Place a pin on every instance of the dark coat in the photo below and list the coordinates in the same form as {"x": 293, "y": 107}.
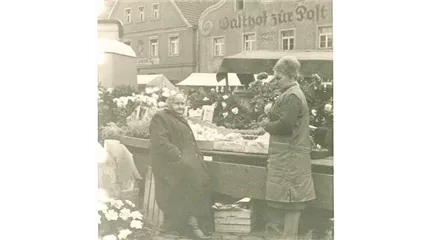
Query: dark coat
{"x": 182, "y": 183}
{"x": 289, "y": 176}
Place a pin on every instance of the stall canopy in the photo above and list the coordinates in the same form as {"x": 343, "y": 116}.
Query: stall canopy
{"x": 254, "y": 62}
{"x": 209, "y": 80}
{"x": 156, "y": 80}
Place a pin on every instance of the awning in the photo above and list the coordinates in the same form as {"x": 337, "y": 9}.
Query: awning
{"x": 209, "y": 80}
{"x": 156, "y": 80}
{"x": 254, "y": 62}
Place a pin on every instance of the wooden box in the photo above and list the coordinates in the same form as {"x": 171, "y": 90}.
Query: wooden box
{"x": 229, "y": 146}
{"x": 234, "y": 221}
{"x": 205, "y": 145}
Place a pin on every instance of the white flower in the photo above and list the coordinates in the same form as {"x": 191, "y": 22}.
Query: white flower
{"x": 206, "y": 99}
{"x": 165, "y": 94}
{"x": 173, "y": 92}
{"x": 328, "y": 107}
{"x": 136, "y": 224}
{"x": 124, "y": 233}
{"x": 161, "y": 104}
{"x": 156, "y": 89}
{"x": 165, "y": 89}
{"x": 115, "y": 100}
{"x": 314, "y": 112}
{"x": 214, "y": 105}
{"x": 155, "y": 96}
{"x": 129, "y": 203}
{"x": 235, "y": 110}
{"x": 318, "y": 146}
{"x": 111, "y": 215}
{"x": 102, "y": 207}
{"x": 223, "y": 104}
{"x": 120, "y": 104}
{"x": 125, "y": 214}
{"x": 136, "y": 215}
{"x": 109, "y": 237}
{"x": 224, "y": 114}
{"x": 152, "y": 102}
{"x": 149, "y": 90}
{"x": 225, "y": 97}
{"x": 118, "y": 204}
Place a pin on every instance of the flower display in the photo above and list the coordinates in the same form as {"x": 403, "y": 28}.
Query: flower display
{"x": 125, "y": 222}
{"x": 126, "y": 111}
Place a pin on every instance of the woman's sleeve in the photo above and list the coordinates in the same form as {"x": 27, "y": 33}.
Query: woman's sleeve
{"x": 290, "y": 108}
{"x": 159, "y": 139}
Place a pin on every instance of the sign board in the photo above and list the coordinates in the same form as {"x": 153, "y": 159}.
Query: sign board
{"x": 208, "y": 113}
{"x": 147, "y": 61}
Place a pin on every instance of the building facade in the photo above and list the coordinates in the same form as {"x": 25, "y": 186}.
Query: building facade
{"x": 232, "y": 26}
{"x": 163, "y": 34}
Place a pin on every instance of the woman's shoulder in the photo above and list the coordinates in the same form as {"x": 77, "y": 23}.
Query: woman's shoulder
{"x": 161, "y": 114}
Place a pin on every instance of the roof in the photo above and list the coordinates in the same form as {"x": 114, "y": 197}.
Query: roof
{"x": 112, "y": 46}
{"x": 209, "y": 80}
{"x": 193, "y": 9}
{"x": 254, "y": 62}
{"x": 108, "y": 6}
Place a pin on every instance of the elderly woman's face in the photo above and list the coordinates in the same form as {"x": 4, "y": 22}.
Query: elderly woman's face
{"x": 281, "y": 80}
{"x": 178, "y": 104}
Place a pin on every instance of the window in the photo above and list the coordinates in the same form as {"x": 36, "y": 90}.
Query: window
{"x": 218, "y": 46}
{"x": 141, "y": 13}
{"x": 156, "y": 10}
{"x": 127, "y": 15}
{"x": 249, "y": 42}
{"x": 239, "y": 5}
{"x": 174, "y": 45}
{"x": 287, "y": 39}
{"x": 325, "y": 37}
{"x": 154, "y": 48}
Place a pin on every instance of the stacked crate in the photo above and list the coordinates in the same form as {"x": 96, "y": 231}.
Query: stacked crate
{"x": 235, "y": 220}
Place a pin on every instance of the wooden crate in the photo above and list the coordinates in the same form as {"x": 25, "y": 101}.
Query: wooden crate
{"x": 234, "y": 221}
{"x": 205, "y": 145}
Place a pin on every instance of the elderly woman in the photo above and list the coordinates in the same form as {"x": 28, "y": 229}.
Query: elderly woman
{"x": 289, "y": 184}
{"x": 182, "y": 183}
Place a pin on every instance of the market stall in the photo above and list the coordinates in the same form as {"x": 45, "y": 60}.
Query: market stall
{"x": 155, "y": 80}
{"x": 237, "y": 161}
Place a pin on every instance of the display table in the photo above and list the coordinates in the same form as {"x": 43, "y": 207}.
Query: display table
{"x": 242, "y": 174}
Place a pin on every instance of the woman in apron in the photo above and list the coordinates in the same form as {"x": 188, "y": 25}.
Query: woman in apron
{"x": 289, "y": 184}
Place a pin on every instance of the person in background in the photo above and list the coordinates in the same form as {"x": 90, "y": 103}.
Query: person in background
{"x": 289, "y": 184}
{"x": 182, "y": 182}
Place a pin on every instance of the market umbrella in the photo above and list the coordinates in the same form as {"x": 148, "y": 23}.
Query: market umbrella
{"x": 156, "y": 80}
{"x": 253, "y": 62}
{"x": 209, "y": 80}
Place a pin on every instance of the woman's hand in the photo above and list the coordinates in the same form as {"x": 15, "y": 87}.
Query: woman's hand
{"x": 264, "y": 122}
{"x": 267, "y": 108}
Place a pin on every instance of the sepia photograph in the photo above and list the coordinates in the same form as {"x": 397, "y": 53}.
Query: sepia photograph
{"x": 215, "y": 119}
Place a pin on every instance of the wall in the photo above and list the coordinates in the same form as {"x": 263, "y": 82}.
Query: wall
{"x": 171, "y": 23}
{"x": 186, "y": 49}
{"x": 303, "y": 16}
{"x": 169, "y": 16}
